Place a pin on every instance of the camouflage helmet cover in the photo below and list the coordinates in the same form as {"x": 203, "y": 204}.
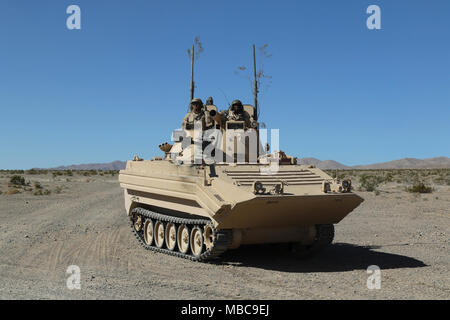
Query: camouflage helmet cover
{"x": 236, "y": 102}
{"x": 197, "y": 101}
{"x": 237, "y": 107}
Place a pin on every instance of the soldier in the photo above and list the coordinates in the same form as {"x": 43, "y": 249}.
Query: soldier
{"x": 209, "y": 101}
{"x": 209, "y": 118}
{"x": 196, "y": 114}
{"x": 237, "y": 112}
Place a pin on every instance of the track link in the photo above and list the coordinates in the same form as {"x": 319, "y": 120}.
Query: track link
{"x": 221, "y": 238}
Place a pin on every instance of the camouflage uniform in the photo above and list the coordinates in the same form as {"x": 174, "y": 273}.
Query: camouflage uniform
{"x": 242, "y": 116}
{"x": 190, "y": 118}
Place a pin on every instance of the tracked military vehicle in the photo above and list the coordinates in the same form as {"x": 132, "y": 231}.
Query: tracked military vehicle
{"x": 198, "y": 207}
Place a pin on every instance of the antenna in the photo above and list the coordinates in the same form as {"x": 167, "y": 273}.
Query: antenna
{"x": 192, "y": 74}
{"x": 255, "y": 85}
{"x": 225, "y": 96}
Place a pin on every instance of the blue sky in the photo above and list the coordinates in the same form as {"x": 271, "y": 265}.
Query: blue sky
{"x": 120, "y": 85}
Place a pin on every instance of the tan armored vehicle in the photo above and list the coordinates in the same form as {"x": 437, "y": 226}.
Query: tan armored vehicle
{"x": 196, "y": 206}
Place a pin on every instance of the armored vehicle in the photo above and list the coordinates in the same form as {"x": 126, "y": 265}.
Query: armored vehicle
{"x": 197, "y": 207}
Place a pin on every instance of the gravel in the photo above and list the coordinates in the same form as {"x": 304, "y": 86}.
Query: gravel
{"x": 405, "y": 235}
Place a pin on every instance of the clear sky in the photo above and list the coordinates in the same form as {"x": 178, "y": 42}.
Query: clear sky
{"x": 120, "y": 85}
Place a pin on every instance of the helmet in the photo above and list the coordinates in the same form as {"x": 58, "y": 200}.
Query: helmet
{"x": 209, "y": 101}
{"x": 236, "y": 102}
{"x": 237, "y": 106}
{"x": 197, "y": 101}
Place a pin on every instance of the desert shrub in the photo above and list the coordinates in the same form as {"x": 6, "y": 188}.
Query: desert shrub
{"x": 341, "y": 176}
{"x": 412, "y": 176}
{"x": 68, "y": 173}
{"x": 37, "y": 185}
{"x": 37, "y": 171}
{"x": 58, "y": 190}
{"x": 389, "y": 177}
{"x": 42, "y": 192}
{"x": 444, "y": 180}
{"x": 17, "y": 171}
{"x": 419, "y": 188}
{"x": 17, "y": 180}
{"x": 370, "y": 182}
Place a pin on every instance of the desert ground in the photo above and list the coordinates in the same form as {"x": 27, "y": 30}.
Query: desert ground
{"x": 51, "y": 220}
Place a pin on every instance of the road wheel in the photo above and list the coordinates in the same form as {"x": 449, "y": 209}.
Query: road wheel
{"x": 159, "y": 234}
{"x": 196, "y": 241}
{"x": 208, "y": 236}
{"x": 148, "y": 232}
{"x": 137, "y": 222}
{"x": 183, "y": 238}
{"x": 171, "y": 236}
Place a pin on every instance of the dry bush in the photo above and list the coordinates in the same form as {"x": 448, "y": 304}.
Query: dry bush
{"x": 17, "y": 180}
{"x": 37, "y": 171}
{"x": 16, "y": 171}
{"x": 37, "y": 185}
{"x": 370, "y": 182}
{"x": 57, "y": 173}
{"x": 42, "y": 192}
{"x": 419, "y": 188}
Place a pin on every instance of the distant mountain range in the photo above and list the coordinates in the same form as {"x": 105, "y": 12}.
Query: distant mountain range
{"x": 115, "y": 165}
{"x": 406, "y": 163}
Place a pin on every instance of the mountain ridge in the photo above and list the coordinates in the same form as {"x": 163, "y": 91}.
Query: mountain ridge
{"x": 405, "y": 163}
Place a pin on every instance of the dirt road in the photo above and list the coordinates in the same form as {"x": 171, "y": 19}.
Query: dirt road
{"x": 407, "y": 236}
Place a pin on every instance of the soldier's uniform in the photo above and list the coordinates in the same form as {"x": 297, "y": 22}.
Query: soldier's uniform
{"x": 243, "y": 116}
{"x": 191, "y": 117}
{"x": 239, "y": 116}
{"x": 196, "y": 114}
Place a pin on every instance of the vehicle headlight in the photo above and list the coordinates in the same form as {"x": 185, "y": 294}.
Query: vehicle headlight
{"x": 258, "y": 187}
